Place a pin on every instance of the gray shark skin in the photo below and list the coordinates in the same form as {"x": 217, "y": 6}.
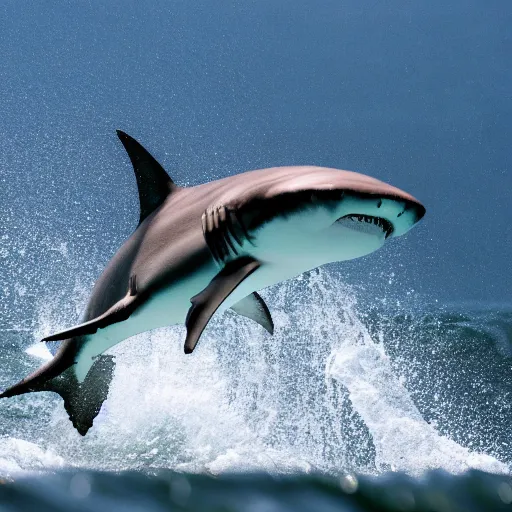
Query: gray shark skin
{"x": 207, "y": 248}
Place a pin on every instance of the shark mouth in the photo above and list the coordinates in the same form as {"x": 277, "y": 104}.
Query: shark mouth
{"x": 366, "y": 223}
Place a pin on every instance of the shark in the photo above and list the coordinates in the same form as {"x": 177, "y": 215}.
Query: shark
{"x": 198, "y": 251}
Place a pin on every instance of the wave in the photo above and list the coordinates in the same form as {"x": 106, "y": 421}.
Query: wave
{"x": 340, "y": 387}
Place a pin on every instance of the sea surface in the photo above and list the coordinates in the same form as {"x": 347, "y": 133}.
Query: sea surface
{"x": 356, "y": 403}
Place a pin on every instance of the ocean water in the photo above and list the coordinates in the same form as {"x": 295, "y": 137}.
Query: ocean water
{"x": 379, "y": 392}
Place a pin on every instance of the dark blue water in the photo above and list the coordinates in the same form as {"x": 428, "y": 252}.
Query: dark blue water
{"x": 86, "y": 491}
{"x": 417, "y": 94}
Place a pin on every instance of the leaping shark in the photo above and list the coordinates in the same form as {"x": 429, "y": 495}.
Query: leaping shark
{"x": 201, "y": 250}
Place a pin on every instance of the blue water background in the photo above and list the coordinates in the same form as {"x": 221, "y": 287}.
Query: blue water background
{"x": 414, "y": 93}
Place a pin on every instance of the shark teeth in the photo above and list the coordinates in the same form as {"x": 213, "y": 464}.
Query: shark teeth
{"x": 383, "y": 224}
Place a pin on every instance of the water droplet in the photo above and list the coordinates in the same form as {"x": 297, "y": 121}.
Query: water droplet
{"x": 349, "y": 484}
{"x": 80, "y": 486}
{"x": 505, "y": 493}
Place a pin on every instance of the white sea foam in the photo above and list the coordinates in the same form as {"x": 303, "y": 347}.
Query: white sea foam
{"x": 320, "y": 394}
{"x": 40, "y": 351}
{"x": 20, "y": 457}
{"x": 403, "y": 440}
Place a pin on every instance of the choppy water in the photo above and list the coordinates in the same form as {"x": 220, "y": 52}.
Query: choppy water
{"x": 344, "y": 385}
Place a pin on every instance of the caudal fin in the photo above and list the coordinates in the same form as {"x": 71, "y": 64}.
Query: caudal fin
{"x": 82, "y": 401}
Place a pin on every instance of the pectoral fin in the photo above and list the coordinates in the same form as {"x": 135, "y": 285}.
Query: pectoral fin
{"x": 205, "y": 304}
{"x": 254, "y": 307}
{"x": 117, "y": 313}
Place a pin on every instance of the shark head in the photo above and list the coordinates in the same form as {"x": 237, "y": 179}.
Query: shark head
{"x": 317, "y": 215}
{"x": 366, "y": 221}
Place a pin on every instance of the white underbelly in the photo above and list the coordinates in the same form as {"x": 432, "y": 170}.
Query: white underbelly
{"x": 166, "y": 307}
{"x": 170, "y": 306}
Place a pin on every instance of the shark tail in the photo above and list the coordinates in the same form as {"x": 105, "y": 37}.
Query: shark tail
{"x": 82, "y": 401}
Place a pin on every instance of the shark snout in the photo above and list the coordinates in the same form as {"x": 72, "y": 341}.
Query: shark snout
{"x": 415, "y": 207}
{"x": 404, "y": 214}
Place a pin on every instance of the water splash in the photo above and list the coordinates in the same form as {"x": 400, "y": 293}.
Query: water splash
{"x": 403, "y": 440}
{"x": 320, "y": 395}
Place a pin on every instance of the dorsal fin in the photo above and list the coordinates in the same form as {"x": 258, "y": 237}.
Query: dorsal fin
{"x": 153, "y": 182}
